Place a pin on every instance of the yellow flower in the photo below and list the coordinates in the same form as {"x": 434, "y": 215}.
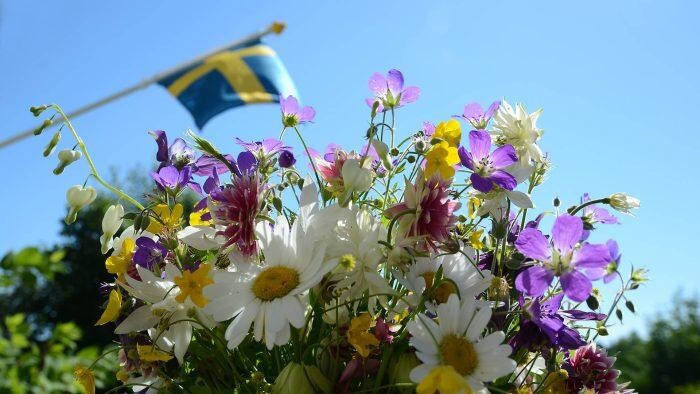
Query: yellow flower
{"x": 151, "y": 354}
{"x": 119, "y": 264}
{"x": 555, "y": 382}
{"x": 196, "y": 218}
{"x": 472, "y": 206}
{"x": 86, "y": 378}
{"x": 358, "y": 334}
{"x": 192, "y": 283}
{"x": 122, "y": 376}
{"x": 443, "y": 379}
{"x": 475, "y": 239}
{"x": 114, "y": 306}
{"x": 441, "y": 158}
{"x": 167, "y": 218}
{"x": 450, "y": 131}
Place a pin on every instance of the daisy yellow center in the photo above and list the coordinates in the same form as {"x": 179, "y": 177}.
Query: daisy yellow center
{"x": 459, "y": 353}
{"x": 442, "y": 292}
{"x": 275, "y": 282}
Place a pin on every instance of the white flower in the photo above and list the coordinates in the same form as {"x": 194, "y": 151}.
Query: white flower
{"x": 272, "y": 295}
{"x": 202, "y": 238}
{"x": 535, "y": 365}
{"x": 352, "y": 237}
{"x": 518, "y": 128}
{"x": 111, "y": 222}
{"x": 65, "y": 158}
{"x": 456, "y": 341}
{"x": 168, "y": 321}
{"x": 624, "y": 203}
{"x": 463, "y": 278}
{"x": 78, "y": 197}
{"x": 129, "y": 233}
{"x": 150, "y": 382}
{"x": 495, "y": 202}
{"x": 356, "y": 178}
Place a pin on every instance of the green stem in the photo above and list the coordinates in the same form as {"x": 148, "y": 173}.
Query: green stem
{"x": 605, "y": 200}
{"x": 313, "y": 164}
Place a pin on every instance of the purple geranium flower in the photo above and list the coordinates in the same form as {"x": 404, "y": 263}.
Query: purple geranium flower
{"x": 287, "y": 159}
{"x": 614, "y": 263}
{"x": 293, "y": 115}
{"x": 474, "y": 114}
{"x": 390, "y": 92}
{"x": 488, "y": 167}
{"x": 178, "y": 154}
{"x": 265, "y": 148}
{"x": 149, "y": 253}
{"x": 428, "y": 129}
{"x": 205, "y": 165}
{"x": 593, "y": 214}
{"x": 548, "y": 318}
{"x": 575, "y": 265}
{"x": 170, "y": 178}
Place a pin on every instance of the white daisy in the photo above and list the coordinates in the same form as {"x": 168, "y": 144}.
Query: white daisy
{"x": 166, "y": 316}
{"x": 271, "y": 295}
{"x": 464, "y": 279}
{"x": 456, "y": 341}
{"x": 518, "y": 128}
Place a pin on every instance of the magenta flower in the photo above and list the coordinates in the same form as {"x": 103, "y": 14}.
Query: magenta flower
{"x": 590, "y": 367}
{"x": 293, "y": 115}
{"x": 475, "y": 115}
{"x": 488, "y": 167}
{"x": 390, "y": 92}
{"x": 235, "y": 207}
{"x": 575, "y": 265}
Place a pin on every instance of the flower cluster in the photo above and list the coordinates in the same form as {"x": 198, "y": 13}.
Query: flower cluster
{"x": 412, "y": 263}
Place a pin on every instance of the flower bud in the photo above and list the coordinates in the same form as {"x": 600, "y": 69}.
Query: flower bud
{"x": 383, "y": 152}
{"x": 78, "y": 197}
{"x": 111, "y": 222}
{"x": 297, "y": 378}
{"x": 287, "y": 159}
{"x": 46, "y": 123}
{"x": 38, "y": 109}
{"x": 65, "y": 158}
{"x": 499, "y": 289}
{"x": 623, "y": 202}
{"x": 52, "y": 144}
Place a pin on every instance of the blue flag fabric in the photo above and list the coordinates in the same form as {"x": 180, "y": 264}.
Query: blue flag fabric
{"x": 245, "y": 74}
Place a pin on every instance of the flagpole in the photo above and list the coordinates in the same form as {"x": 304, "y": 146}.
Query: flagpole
{"x": 275, "y": 27}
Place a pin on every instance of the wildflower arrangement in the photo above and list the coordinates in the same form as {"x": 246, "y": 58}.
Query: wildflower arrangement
{"x": 414, "y": 261}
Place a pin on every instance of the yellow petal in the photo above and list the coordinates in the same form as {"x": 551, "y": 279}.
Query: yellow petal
{"x": 443, "y": 379}
{"x": 150, "y": 353}
{"x": 86, "y": 378}
{"x": 114, "y": 306}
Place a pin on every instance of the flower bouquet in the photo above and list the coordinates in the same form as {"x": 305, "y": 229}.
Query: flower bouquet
{"x": 414, "y": 262}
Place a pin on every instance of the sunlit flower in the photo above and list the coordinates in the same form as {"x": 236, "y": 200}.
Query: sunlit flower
{"x": 111, "y": 222}
{"x": 475, "y": 115}
{"x": 475, "y": 239}
{"x": 454, "y": 339}
{"x": 389, "y": 91}
{"x": 165, "y": 218}
{"x": 78, "y": 197}
{"x": 197, "y": 220}
{"x": 441, "y": 159}
{"x": 449, "y": 131}
{"x": 590, "y": 367}
{"x": 443, "y": 379}
{"x": 518, "y": 128}
{"x": 293, "y": 115}
{"x": 114, "y": 306}
{"x": 234, "y": 207}
{"x": 488, "y": 168}
{"x": 119, "y": 262}
{"x": 359, "y": 336}
{"x": 191, "y": 285}
{"x": 624, "y": 203}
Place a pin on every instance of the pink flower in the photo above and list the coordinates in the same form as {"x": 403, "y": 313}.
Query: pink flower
{"x": 434, "y": 211}
{"x": 235, "y": 207}
{"x": 591, "y": 368}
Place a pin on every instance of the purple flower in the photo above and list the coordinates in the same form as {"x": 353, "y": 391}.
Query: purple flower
{"x": 428, "y": 129}
{"x": 488, "y": 167}
{"x": 287, "y": 159}
{"x": 593, "y": 214}
{"x": 265, "y": 148}
{"x": 575, "y": 265}
{"x": 390, "y": 92}
{"x": 474, "y": 114}
{"x": 293, "y": 115}
{"x": 548, "y": 318}
{"x": 149, "y": 253}
{"x": 178, "y": 154}
{"x": 615, "y": 257}
{"x": 205, "y": 165}
{"x": 171, "y": 179}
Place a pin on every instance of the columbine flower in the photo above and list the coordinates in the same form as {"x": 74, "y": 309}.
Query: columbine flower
{"x": 390, "y": 92}
{"x": 488, "y": 167}
{"x": 345, "y": 172}
{"x": 78, "y": 197}
{"x": 111, "y": 222}
{"x": 178, "y": 154}
{"x": 518, "y": 128}
{"x": 359, "y": 336}
{"x": 590, "y": 367}
{"x": 455, "y": 340}
{"x": 234, "y": 207}
{"x": 270, "y": 295}
{"x": 624, "y": 203}
{"x": 114, "y": 306}
{"x": 292, "y": 115}
{"x": 462, "y": 278}
{"x": 450, "y": 131}
{"x": 441, "y": 159}
{"x": 357, "y": 177}
{"x": 576, "y": 265}
{"x": 475, "y": 115}
{"x": 433, "y": 211}
{"x": 287, "y": 159}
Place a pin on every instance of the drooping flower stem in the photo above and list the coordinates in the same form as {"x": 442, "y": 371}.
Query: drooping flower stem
{"x": 605, "y": 200}
{"x": 93, "y": 169}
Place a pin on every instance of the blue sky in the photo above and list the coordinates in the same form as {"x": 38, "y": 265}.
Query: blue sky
{"x": 618, "y": 82}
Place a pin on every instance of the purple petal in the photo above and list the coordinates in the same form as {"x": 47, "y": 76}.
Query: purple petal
{"x": 145, "y": 242}
{"x": 272, "y": 145}
{"x": 554, "y": 303}
{"x": 409, "y": 95}
{"x": 504, "y": 179}
{"x": 395, "y": 81}
{"x": 378, "y": 85}
{"x": 533, "y": 244}
{"x": 306, "y": 114}
{"x": 569, "y": 338}
{"x": 566, "y": 232}
{"x": 576, "y": 286}
{"x": 504, "y": 156}
{"x": 613, "y": 249}
{"x": 473, "y": 111}
{"x": 575, "y": 314}
{"x": 428, "y": 129}
{"x": 290, "y": 105}
{"x": 465, "y": 157}
{"x": 195, "y": 186}
{"x": 492, "y": 109}
{"x": 591, "y": 256}
{"x": 162, "y": 142}
{"x": 169, "y": 176}
{"x": 534, "y": 281}
{"x": 249, "y": 146}
{"x": 246, "y": 162}
{"x": 480, "y": 144}
{"x": 481, "y": 184}
{"x": 178, "y": 146}
{"x": 206, "y": 165}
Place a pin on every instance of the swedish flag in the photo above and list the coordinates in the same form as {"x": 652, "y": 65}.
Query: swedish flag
{"x": 244, "y": 74}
